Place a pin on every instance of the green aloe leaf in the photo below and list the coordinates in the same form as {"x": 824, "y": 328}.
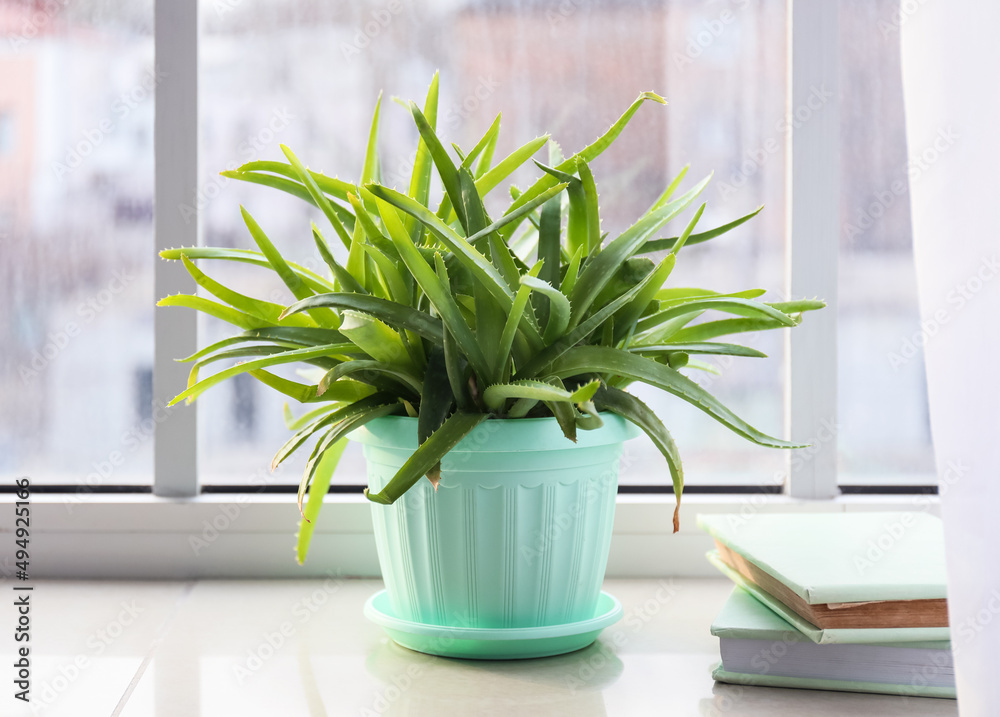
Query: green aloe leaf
{"x": 592, "y": 208}
{"x": 324, "y": 418}
{"x": 572, "y": 273}
{"x": 550, "y": 240}
{"x": 391, "y": 312}
{"x": 672, "y": 187}
{"x": 632, "y": 409}
{"x": 318, "y": 197}
{"x": 191, "y": 393}
{"x": 320, "y": 487}
{"x": 565, "y": 416}
{"x": 577, "y": 226}
{"x": 496, "y": 395}
{"x": 295, "y": 335}
{"x": 427, "y": 456}
{"x": 333, "y": 186}
{"x": 489, "y": 317}
{"x": 420, "y": 179}
{"x": 212, "y": 348}
{"x": 724, "y": 327}
{"x": 395, "y": 372}
{"x": 601, "y": 268}
{"x": 558, "y": 307}
{"x": 457, "y": 367}
{"x": 299, "y": 289}
{"x": 797, "y": 306}
{"x": 463, "y": 248}
{"x": 244, "y": 352}
{"x": 437, "y": 400}
{"x": 486, "y": 141}
{"x": 682, "y": 239}
{"x": 313, "y": 280}
{"x": 336, "y": 433}
{"x": 254, "y": 307}
{"x": 438, "y": 292}
{"x": 296, "y": 390}
{"x": 296, "y": 188}
{"x": 587, "y": 154}
{"x": 465, "y": 252}
{"x": 563, "y": 411}
{"x": 341, "y": 274}
{"x": 301, "y": 392}
{"x": 627, "y": 317}
{"x": 274, "y": 335}
{"x": 740, "y": 307}
{"x": 436, "y": 397}
{"x": 501, "y": 365}
{"x": 214, "y": 308}
{"x": 293, "y": 423}
{"x": 377, "y": 280}
{"x": 703, "y": 347}
{"x": 668, "y": 244}
{"x": 679, "y": 295}
{"x": 506, "y": 262}
{"x": 371, "y": 171}
{"x": 485, "y": 183}
{"x": 678, "y": 360}
{"x": 683, "y": 360}
{"x": 485, "y": 162}
{"x": 394, "y": 281}
{"x": 289, "y": 186}
{"x": 445, "y": 167}
{"x": 539, "y": 363}
{"x": 357, "y": 261}
{"x": 376, "y": 338}
{"x": 606, "y": 360}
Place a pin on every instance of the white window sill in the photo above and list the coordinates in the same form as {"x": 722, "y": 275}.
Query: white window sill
{"x": 252, "y": 535}
{"x": 256, "y": 649}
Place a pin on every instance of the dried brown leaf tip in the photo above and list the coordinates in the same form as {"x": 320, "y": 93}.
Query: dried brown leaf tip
{"x": 434, "y": 476}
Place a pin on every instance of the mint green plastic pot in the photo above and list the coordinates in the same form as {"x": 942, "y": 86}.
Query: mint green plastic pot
{"x": 517, "y": 533}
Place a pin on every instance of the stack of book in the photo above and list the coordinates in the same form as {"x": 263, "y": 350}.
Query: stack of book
{"x": 834, "y": 601}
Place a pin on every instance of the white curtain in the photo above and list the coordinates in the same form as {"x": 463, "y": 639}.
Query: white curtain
{"x": 951, "y": 63}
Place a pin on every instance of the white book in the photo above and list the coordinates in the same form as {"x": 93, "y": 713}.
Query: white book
{"x": 759, "y": 647}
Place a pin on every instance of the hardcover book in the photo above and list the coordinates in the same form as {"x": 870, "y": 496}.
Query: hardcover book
{"x": 759, "y": 648}
{"x": 840, "y": 577}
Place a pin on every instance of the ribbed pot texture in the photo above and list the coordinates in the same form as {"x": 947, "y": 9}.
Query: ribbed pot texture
{"x": 517, "y": 533}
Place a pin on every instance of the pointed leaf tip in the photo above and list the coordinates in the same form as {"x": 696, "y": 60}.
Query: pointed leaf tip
{"x": 648, "y": 95}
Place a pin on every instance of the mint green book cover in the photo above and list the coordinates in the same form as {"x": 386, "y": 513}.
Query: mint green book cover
{"x": 745, "y": 618}
{"x": 805, "y": 683}
{"x": 841, "y": 557}
{"x": 828, "y": 636}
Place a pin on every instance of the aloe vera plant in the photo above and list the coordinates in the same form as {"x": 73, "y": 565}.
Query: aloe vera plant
{"x": 453, "y": 316}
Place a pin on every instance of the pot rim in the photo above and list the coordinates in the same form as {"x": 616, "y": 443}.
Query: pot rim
{"x": 499, "y": 434}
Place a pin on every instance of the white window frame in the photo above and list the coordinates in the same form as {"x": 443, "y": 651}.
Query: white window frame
{"x": 178, "y": 532}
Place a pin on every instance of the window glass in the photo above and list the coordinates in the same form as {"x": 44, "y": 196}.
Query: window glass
{"x": 307, "y": 75}
{"x": 76, "y": 209}
{"x": 884, "y": 430}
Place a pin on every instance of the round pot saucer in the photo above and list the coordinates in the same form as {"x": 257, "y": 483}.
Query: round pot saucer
{"x": 483, "y": 643}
